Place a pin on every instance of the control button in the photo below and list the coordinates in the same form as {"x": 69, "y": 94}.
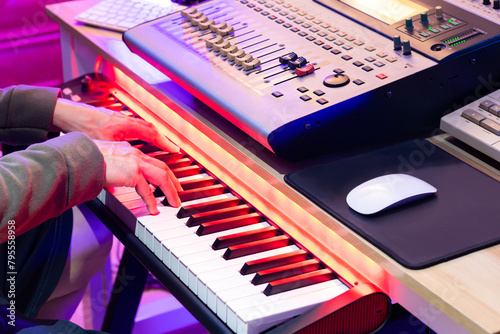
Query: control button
{"x": 294, "y": 29}
{"x": 301, "y": 71}
{"x": 382, "y": 54}
{"x": 381, "y": 76}
{"x": 359, "y": 43}
{"x": 370, "y": 59}
{"x": 302, "y": 89}
{"x": 302, "y": 33}
{"x": 397, "y": 42}
{"x": 378, "y": 64}
{"x": 367, "y": 68}
{"x": 346, "y": 57}
{"x": 358, "y": 82}
{"x": 248, "y": 65}
{"x": 357, "y": 63}
{"x": 338, "y": 70}
{"x": 299, "y": 62}
{"x": 454, "y": 22}
{"x": 491, "y": 126}
{"x": 322, "y": 101}
{"x": 319, "y": 42}
{"x": 472, "y": 116}
{"x": 445, "y": 26}
{"x": 434, "y": 30}
{"x": 321, "y": 34}
{"x": 305, "y": 97}
{"x": 424, "y": 34}
{"x": 327, "y": 46}
{"x": 277, "y": 94}
{"x": 288, "y": 57}
{"x": 319, "y": 92}
{"x": 409, "y": 24}
{"x": 486, "y": 104}
{"x": 336, "y": 80}
{"x": 339, "y": 43}
{"x": 495, "y": 110}
{"x": 287, "y": 25}
{"x": 439, "y": 12}
{"x": 335, "y": 51}
{"x": 347, "y": 47}
{"x": 310, "y": 38}
{"x": 391, "y": 59}
{"x": 370, "y": 48}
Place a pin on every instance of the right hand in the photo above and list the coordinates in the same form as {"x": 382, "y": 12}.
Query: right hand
{"x": 127, "y": 166}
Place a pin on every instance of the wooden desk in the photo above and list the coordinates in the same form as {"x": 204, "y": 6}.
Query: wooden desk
{"x": 459, "y": 296}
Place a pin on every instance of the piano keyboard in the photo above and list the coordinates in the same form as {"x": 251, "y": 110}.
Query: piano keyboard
{"x": 242, "y": 266}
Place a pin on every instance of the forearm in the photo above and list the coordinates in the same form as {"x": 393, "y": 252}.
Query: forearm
{"x": 46, "y": 179}
{"x": 26, "y": 114}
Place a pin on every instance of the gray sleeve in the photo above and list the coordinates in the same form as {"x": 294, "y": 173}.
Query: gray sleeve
{"x": 26, "y": 114}
{"x": 46, "y": 179}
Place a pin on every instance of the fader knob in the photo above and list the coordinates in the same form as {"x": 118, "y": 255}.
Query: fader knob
{"x": 406, "y": 47}
{"x": 397, "y": 42}
{"x": 439, "y": 12}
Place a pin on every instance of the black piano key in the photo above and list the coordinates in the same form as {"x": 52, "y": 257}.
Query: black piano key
{"x": 244, "y": 237}
{"x": 188, "y": 210}
{"x": 252, "y": 267}
{"x": 289, "y": 270}
{"x": 147, "y": 148}
{"x": 298, "y": 281}
{"x": 191, "y": 194}
{"x": 183, "y": 162}
{"x": 186, "y": 171}
{"x": 258, "y": 246}
{"x": 228, "y": 223}
{"x": 197, "y": 183}
{"x": 198, "y": 218}
{"x": 166, "y": 156}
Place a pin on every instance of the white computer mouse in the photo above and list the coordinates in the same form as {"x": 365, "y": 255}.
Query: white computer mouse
{"x": 387, "y": 191}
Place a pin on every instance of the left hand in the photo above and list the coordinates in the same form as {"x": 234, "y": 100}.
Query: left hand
{"x": 103, "y": 124}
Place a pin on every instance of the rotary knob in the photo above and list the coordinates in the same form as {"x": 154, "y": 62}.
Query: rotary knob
{"x": 424, "y": 19}
{"x": 397, "y": 42}
{"x": 409, "y": 24}
{"x": 406, "y": 47}
{"x": 486, "y": 2}
{"x": 439, "y": 12}
{"x": 496, "y": 4}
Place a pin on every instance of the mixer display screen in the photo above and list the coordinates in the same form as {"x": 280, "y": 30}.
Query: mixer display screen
{"x": 387, "y": 11}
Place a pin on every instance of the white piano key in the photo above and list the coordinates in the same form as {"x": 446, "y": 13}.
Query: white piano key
{"x": 204, "y": 276}
{"x": 167, "y": 213}
{"x": 253, "y": 314}
{"x": 186, "y": 261}
{"x": 193, "y": 177}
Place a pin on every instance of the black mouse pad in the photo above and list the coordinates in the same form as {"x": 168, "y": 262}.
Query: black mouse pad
{"x": 462, "y": 217}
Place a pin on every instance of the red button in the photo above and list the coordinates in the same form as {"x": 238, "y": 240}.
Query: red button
{"x": 304, "y": 70}
{"x": 381, "y": 76}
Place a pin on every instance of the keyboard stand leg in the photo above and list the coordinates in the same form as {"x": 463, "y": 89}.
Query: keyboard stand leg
{"x": 126, "y": 295}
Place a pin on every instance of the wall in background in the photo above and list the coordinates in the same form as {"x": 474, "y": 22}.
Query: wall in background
{"x": 30, "y": 52}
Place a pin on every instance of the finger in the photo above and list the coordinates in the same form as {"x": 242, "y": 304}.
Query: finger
{"x": 146, "y": 131}
{"x": 147, "y": 196}
{"x": 160, "y": 177}
{"x": 160, "y": 164}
